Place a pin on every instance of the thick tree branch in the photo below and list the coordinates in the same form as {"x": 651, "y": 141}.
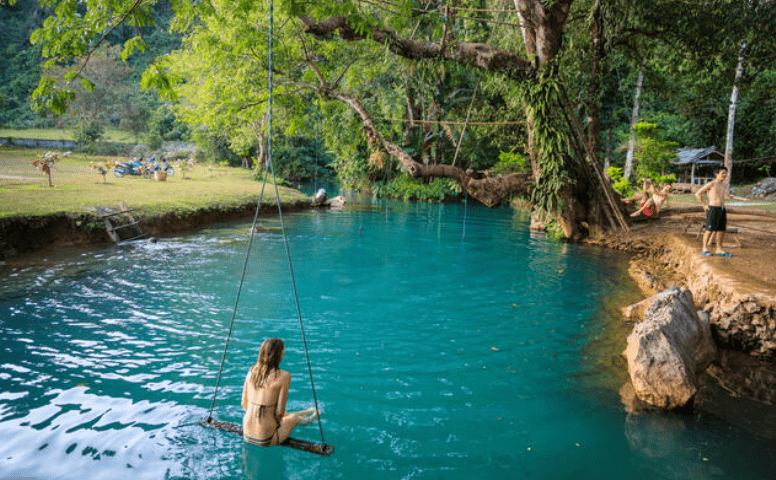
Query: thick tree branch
{"x": 491, "y": 191}
{"x": 476, "y": 54}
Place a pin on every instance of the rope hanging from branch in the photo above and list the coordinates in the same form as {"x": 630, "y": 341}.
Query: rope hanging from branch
{"x": 321, "y": 448}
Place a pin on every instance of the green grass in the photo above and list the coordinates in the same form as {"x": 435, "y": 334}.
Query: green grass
{"x": 111, "y": 135}
{"x": 78, "y": 189}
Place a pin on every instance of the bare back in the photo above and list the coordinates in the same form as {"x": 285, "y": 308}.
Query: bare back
{"x": 265, "y": 408}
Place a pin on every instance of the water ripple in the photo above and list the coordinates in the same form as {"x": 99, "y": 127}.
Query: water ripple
{"x": 434, "y": 354}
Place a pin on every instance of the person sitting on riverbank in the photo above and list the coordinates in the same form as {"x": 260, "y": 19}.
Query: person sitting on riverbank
{"x": 654, "y": 203}
{"x": 647, "y": 189}
{"x": 265, "y": 392}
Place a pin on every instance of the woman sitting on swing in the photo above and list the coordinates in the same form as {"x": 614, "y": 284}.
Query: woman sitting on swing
{"x": 266, "y": 422}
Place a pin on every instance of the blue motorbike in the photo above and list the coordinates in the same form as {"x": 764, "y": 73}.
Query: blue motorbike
{"x": 133, "y": 167}
{"x": 154, "y": 166}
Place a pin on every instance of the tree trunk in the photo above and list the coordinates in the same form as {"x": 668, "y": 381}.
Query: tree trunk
{"x": 732, "y": 114}
{"x": 634, "y": 118}
{"x": 542, "y": 23}
{"x": 594, "y": 89}
{"x": 542, "y": 31}
{"x": 261, "y": 142}
{"x": 542, "y": 26}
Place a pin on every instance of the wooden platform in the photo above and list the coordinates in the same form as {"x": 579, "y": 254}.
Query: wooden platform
{"x": 312, "y": 447}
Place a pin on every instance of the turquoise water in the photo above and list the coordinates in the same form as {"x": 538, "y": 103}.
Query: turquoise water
{"x": 436, "y": 353}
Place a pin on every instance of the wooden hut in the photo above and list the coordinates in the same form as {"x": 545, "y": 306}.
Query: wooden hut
{"x": 698, "y": 163}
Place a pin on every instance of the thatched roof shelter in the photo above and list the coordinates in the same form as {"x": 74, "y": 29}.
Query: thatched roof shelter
{"x": 701, "y": 158}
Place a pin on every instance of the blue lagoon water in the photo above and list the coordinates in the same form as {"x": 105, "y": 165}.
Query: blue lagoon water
{"x": 438, "y": 349}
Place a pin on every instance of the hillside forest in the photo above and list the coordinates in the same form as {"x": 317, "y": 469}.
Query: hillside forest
{"x": 501, "y": 98}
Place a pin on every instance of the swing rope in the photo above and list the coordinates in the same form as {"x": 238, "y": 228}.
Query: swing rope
{"x": 465, "y": 208}
{"x": 269, "y": 168}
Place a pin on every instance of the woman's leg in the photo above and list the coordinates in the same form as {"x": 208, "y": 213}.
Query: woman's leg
{"x": 292, "y": 419}
{"x": 287, "y": 424}
{"x": 647, "y": 204}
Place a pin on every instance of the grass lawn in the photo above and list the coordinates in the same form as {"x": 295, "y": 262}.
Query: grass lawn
{"x": 77, "y": 188}
{"x": 111, "y": 135}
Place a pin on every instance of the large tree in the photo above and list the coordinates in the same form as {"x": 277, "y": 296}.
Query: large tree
{"x": 333, "y": 49}
{"x": 564, "y": 180}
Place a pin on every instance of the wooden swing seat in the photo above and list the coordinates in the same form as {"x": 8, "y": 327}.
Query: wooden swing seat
{"x": 307, "y": 446}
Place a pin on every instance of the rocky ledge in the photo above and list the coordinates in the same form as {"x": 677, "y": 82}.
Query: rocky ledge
{"x": 737, "y": 311}
{"x": 742, "y": 314}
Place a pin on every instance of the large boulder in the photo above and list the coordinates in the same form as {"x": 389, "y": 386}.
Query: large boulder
{"x": 668, "y": 349}
{"x": 766, "y": 189}
{"x": 319, "y": 198}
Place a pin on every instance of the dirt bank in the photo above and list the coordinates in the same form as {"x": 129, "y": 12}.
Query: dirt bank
{"x": 739, "y": 291}
{"x": 20, "y": 234}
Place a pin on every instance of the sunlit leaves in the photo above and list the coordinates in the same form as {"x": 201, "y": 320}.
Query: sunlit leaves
{"x": 157, "y": 77}
{"x": 130, "y": 46}
{"x": 48, "y": 95}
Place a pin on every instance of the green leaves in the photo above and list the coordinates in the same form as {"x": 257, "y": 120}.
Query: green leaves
{"x": 48, "y": 95}
{"x": 543, "y": 100}
{"x": 136, "y": 43}
{"x": 156, "y": 77}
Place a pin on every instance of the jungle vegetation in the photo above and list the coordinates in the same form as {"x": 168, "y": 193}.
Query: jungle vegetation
{"x": 500, "y": 98}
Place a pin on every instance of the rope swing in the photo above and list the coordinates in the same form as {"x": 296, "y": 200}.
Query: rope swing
{"x": 319, "y": 448}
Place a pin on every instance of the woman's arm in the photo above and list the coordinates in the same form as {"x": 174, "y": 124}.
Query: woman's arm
{"x": 244, "y": 402}
{"x": 283, "y": 395}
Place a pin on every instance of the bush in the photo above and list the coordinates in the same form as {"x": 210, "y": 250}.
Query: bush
{"x": 89, "y": 132}
{"x": 509, "y": 162}
{"x": 408, "y": 188}
{"x": 621, "y": 184}
{"x": 154, "y": 141}
{"x": 302, "y": 159}
{"x": 664, "y": 179}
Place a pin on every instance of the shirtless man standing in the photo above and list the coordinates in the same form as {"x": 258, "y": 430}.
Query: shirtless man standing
{"x": 716, "y": 216}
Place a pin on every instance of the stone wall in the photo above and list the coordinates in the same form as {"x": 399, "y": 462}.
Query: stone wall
{"x": 37, "y": 143}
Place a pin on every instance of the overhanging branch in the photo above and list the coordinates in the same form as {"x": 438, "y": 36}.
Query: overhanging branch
{"x": 476, "y": 54}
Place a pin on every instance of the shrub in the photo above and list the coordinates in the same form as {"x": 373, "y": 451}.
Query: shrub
{"x": 408, "y": 188}
{"x": 509, "y": 162}
{"x": 621, "y": 184}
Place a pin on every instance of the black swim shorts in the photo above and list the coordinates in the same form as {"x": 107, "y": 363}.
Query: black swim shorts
{"x": 716, "y": 219}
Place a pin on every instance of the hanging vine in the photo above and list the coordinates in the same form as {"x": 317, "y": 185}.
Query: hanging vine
{"x": 541, "y": 98}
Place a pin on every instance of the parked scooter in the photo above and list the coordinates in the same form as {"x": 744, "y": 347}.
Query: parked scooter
{"x": 154, "y": 166}
{"x": 133, "y": 167}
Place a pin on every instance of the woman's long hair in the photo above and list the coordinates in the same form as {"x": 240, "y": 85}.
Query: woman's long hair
{"x": 270, "y": 354}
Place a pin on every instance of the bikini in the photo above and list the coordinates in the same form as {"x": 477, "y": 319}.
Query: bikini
{"x": 264, "y": 442}
{"x": 652, "y": 209}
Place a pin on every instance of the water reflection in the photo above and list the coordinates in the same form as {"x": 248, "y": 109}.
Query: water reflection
{"x": 259, "y": 463}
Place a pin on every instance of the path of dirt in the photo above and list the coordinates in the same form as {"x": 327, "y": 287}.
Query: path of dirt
{"x": 752, "y": 265}
{"x": 738, "y": 387}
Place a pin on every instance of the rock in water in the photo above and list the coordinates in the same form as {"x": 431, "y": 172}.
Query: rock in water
{"x": 668, "y": 350}
{"x": 319, "y": 197}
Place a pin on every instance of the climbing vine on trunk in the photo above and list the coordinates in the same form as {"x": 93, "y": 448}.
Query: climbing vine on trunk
{"x": 543, "y": 98}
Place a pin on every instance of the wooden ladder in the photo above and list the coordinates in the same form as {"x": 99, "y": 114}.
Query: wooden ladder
{"x": 116, "y": 222}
